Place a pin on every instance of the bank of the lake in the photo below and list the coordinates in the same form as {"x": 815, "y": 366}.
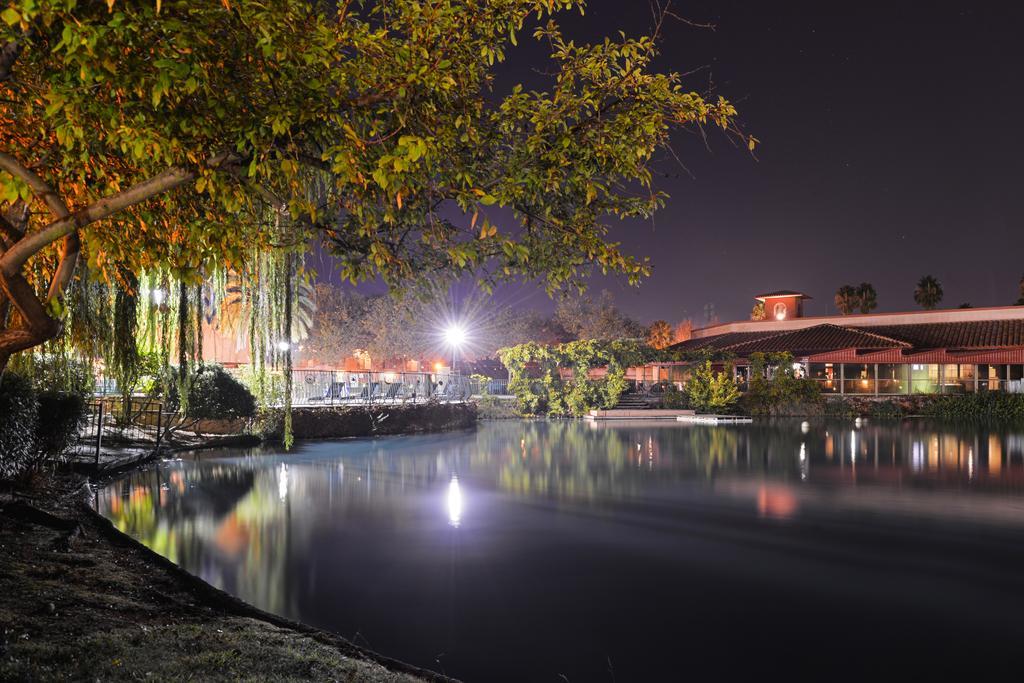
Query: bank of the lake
{"x": 81, "y": 601}
{"x": 325, "y": 422}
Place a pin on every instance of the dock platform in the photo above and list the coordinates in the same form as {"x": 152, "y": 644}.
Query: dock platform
{"x": 716, "y": 419}
{"x": 639, "y": 414}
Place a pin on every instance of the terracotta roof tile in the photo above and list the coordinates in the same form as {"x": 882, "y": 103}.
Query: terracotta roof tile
{"x": 718, "y": 341}
{"x": 817, "y": 339}
{"x": 961, "y": 335}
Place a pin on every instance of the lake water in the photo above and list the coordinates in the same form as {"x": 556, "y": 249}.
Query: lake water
{"x": 554, "y": 551}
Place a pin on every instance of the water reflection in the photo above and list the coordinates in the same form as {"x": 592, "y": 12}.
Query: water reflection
{"x": 568, "y": 518}
{"x": 454, "y": 502}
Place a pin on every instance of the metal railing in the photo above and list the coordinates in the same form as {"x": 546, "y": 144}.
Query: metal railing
{"x": 489, "y": 387}
{"x": 115, "y": 430}
{"x": 340, "y": 387}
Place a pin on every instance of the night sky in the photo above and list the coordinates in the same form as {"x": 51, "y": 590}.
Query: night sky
{"x": 890, "y": 149}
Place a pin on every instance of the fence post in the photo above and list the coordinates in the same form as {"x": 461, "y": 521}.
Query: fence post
{"x": 99, "y": 435}
{"x": 159, "y": 424}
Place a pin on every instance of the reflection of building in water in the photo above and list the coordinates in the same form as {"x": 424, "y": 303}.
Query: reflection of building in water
{"x": 245, "y": 524}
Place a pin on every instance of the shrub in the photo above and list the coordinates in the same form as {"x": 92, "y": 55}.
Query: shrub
{"x": 783, "y": 395}
{"x": 497, "y": 408}
{"x": 992, "y": 407}
{"x": 614, "y": 384}
{"x": 19, "y": 415}
{"x": 217, "y": 395}
{"x": 673, "y": 398}
{"x": 60, "y": 419}
{"x": 710, "y": 391}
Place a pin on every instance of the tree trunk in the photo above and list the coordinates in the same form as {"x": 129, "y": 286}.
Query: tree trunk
{"x": 28, "y": 324}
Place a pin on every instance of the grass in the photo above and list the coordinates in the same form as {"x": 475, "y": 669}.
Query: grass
{"x": 80, "y": 604}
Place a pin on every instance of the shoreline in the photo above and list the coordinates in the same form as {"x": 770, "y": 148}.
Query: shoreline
{"x": 79, "y": 599}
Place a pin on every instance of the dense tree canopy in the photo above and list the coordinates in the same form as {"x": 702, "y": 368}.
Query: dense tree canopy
{"x": 660, "y": 334}
{"x": 181, "y": 135}
{"x": 584, "y": 317}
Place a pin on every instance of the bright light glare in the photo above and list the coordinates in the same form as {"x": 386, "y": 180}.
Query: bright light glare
{"x": 455, "y": 335}
{"x": 282, "y": 482}
{"x": 283, "y": 346}
{"x": 454, "y": 502}
{"x": 159, "y": 296}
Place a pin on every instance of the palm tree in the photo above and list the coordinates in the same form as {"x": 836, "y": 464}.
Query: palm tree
{"x": 234, "y": 309}
{"x": 868, "y": 297}
{"x": 928, "y": 293}
{"x": 848, "y": 299}
{"x": 757, "y": 312}
{"x": 659, "y": 334}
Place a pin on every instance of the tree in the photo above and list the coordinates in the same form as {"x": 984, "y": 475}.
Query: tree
{"x": 757, "y": 312}
{"x": 338, "y": 325}
{"x": 659, "y": 334}
{"x": 868, "y": 297}
{"x": 847, "y": 299}
{"x": 683, "y": 331}
{"x": 175, "y": 134}
{"x": 584, "y": 318}
{"x": 510, "y": 327}
{"x": 928, "y": 292}
{"x": 1020, "y": 291}
{"x": 392, "y": 329}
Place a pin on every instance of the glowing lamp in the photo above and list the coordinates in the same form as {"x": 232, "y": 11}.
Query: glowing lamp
{"x": 455, "y": 335}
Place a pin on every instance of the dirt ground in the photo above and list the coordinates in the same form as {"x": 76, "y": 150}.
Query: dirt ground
{"x": 78, "y": 601}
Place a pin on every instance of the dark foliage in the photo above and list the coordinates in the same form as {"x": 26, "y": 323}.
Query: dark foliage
{"x": 674, "y": 399}
{"x": 984, "y": 407}
{"x": 35, "y": 428}
{"x": 60, "y": 418}
{"x": 19, "y": 415}
{"x": 216, "y": 395}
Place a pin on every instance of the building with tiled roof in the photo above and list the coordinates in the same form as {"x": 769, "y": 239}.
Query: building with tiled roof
{"x": 946, "y": 351}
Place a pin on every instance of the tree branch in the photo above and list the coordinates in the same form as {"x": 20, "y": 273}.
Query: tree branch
{"x": 31, "y": 244}
{"x": 40, "y": 188}
{"x": 66, "y": 268}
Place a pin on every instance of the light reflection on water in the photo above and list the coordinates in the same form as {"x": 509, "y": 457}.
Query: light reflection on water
{"x": 583, "y": 543}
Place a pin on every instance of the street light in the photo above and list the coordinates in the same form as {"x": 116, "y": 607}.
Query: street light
{"x": 455, "y": 337}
